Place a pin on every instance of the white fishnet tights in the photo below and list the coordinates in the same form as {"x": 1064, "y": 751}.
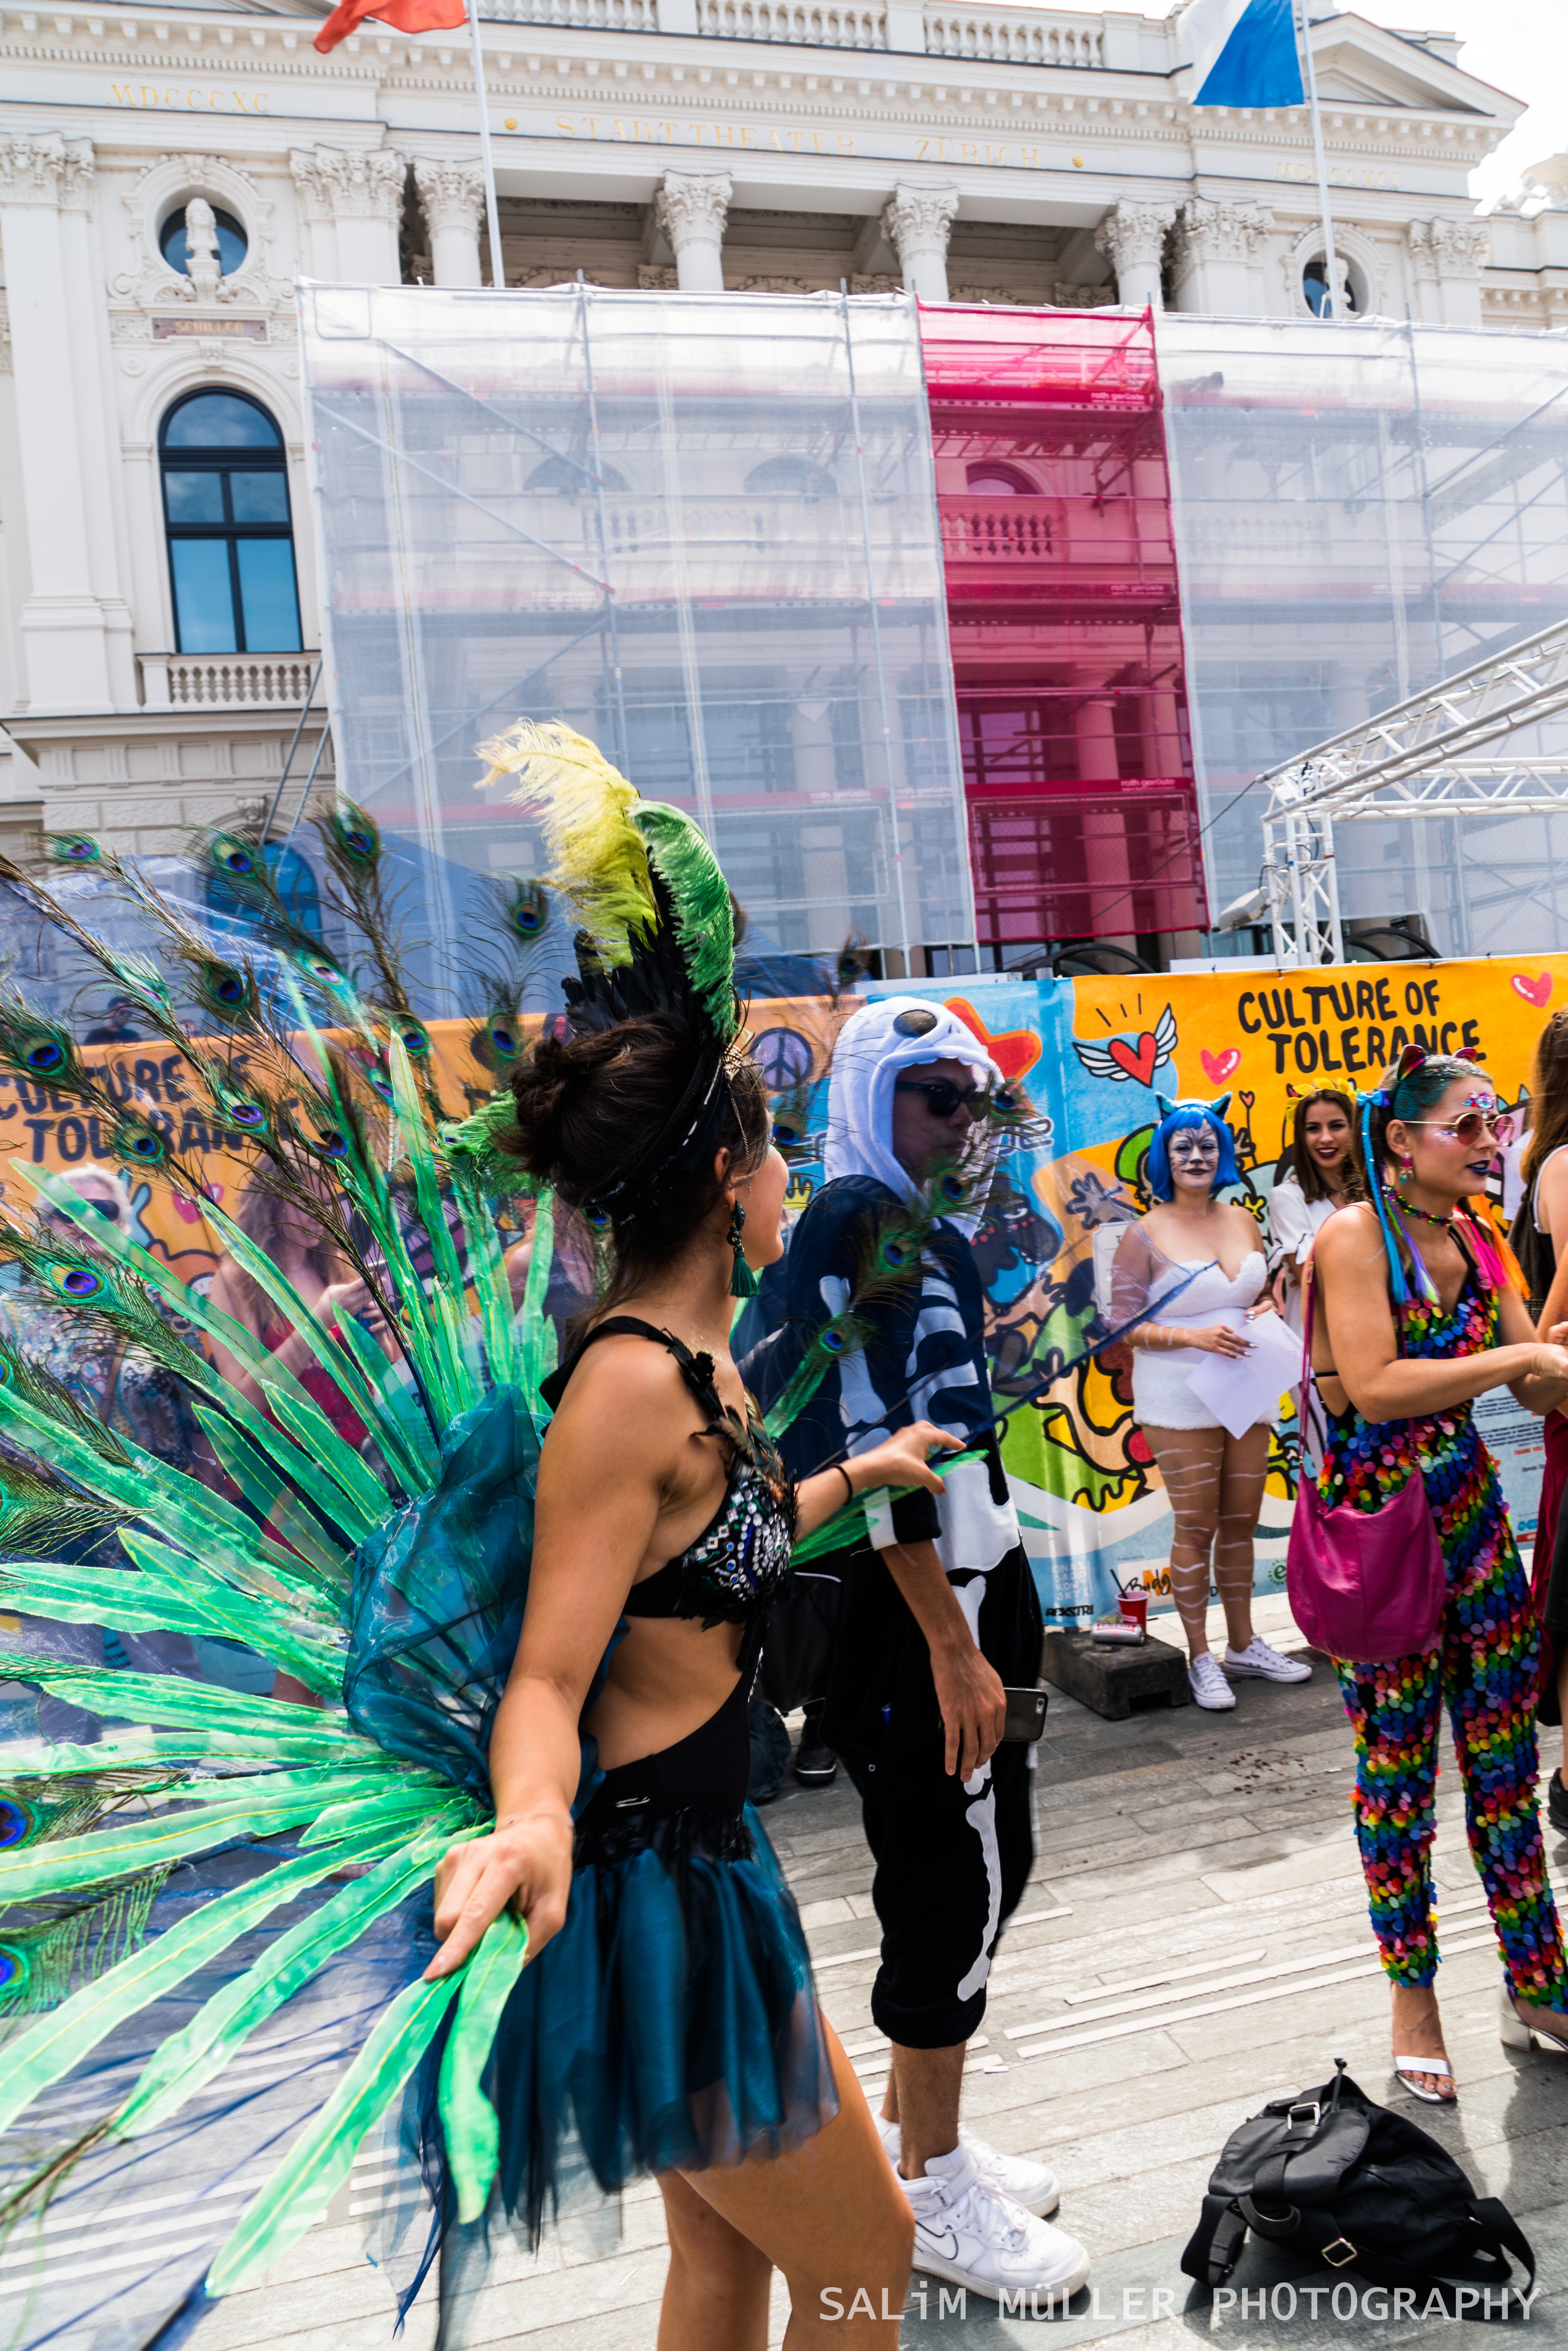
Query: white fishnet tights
{"x": 1215, "y": 1482}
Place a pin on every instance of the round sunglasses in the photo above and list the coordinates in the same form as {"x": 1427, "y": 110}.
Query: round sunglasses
{"x": 943, "y": 1097}
{"x": 1467, "y": 1128}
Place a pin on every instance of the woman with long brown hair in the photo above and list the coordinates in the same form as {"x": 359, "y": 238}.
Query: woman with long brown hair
{"x": 1540, "y": 1239}
{"x": 1325, "y": 1175}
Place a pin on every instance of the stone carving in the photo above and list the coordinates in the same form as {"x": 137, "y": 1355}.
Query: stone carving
{"x": 77, "y": 178}
{"x": 692, "y": 207}
{"x": 151, "y": 283}
{"x": 1448, "y": 248}
{"x": 203, "y": 266}
{"x": 1133, "y": 236}
{"x": 452, "y": 193}
{"x": 345, "y": 183}
{"x": 654, "y": 278}
{"x": 45, "y": 169}
{"x": 918, "y": 223}
{"x": 1212, "y": 231}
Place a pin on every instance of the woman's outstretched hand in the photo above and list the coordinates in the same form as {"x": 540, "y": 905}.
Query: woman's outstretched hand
{"x": 524, "y": 1865}
{"x": 901, "y": 1459}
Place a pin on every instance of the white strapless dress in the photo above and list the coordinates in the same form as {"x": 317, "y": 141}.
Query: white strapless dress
{"x": 1161, "y": 1395}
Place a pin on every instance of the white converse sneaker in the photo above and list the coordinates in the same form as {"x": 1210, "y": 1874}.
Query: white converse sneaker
{"x": 1028, "y": 2184}
{"x": 1259, "y": 1659}
{"x": 968, "y": 2231}
{"x": 1209, "y": 1687}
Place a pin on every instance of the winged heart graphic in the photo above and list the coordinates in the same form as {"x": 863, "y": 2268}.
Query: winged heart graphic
{"x": 1123, "y": 1057}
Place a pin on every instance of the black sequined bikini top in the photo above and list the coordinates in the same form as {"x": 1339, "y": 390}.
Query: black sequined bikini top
{"x": 731, "y": 1573}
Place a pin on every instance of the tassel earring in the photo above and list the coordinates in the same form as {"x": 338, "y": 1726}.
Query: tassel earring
{"x": 742, "y": 1280}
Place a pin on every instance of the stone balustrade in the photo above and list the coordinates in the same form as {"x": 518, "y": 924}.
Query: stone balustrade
{"x": 226, "y": 681}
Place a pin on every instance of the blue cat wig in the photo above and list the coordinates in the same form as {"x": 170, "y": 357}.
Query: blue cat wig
{"x": 1190, "y": 1114}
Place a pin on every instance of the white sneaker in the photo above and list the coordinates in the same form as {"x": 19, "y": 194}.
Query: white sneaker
{"x": 1209, "y": 1687}
{"x": 968, "y": 2231}
{"x": 1028, "y": 2184}
{"x": 1257, "y": 1658}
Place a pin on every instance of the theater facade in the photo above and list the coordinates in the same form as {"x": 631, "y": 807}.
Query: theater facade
{"x": 167, "y": 173}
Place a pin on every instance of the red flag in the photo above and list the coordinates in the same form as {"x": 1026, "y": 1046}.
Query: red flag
{"x": 402, "y": 15}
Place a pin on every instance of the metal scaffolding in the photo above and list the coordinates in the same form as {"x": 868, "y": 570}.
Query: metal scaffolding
{"x": 1412, "y": 761}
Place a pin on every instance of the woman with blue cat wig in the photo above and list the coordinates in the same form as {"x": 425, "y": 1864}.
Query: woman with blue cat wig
{"x": 1206, "y": 1254}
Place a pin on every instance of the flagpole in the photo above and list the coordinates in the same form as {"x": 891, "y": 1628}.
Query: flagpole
{"x": 492, "y": 216}
{"x": 1331, "y": 265}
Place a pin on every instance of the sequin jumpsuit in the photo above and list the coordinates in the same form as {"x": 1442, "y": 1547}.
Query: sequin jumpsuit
{"x": 1484, "y": 1666}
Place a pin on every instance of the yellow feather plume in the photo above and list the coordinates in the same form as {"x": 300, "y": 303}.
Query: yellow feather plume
{"x": 597, "y": 856}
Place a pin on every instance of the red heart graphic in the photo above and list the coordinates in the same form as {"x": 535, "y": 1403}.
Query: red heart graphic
{"x": 1138, "y": 1060}
{"x": 1217, "y": 1067}
{"x": 1534, "y": 991}
{"x": 1014, "y": 1050}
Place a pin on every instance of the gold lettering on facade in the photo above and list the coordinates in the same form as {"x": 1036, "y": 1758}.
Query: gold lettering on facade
{"x": 170, "y": 98}
{"x": 1341, "y": 176}
{"x": 746, "y": 138}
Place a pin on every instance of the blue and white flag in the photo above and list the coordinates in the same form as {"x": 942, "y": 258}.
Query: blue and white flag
{"x": 1244, "y": 52}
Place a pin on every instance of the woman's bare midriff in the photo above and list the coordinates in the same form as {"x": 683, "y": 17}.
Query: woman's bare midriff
{"x": 666, "y": 1678}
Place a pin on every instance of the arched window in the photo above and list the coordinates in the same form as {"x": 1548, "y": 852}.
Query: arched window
{"x": 1315, "y": 285}
{"x": 293, "y": 879}
{"x": 993, "y": 479}
{"x": 573, "y": 481}
{"x": 790, "y": 477}
{"x": 231, "y": 541}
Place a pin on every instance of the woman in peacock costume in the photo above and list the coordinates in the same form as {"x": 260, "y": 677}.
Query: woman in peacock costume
{"x": 571, "y": 1778}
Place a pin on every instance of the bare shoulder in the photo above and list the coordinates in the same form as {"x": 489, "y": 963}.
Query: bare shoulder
{"x": 1551, "y": 1193}
{"x": 1244, "y": 1225}
{"x": 632, "y": 1389}
{"x": 1349, "y": 1240}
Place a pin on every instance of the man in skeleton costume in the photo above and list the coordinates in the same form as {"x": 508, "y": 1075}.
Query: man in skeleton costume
{"x": 939, "y": 1614}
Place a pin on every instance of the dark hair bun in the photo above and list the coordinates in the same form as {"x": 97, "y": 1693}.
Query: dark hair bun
{"x": 589, "y": 1109}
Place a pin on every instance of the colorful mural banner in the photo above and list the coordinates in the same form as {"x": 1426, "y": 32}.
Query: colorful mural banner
{"x": 1090, "y": 1054}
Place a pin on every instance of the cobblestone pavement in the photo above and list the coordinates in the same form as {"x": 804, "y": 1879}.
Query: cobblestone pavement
{"x": 1194, "y": 1940}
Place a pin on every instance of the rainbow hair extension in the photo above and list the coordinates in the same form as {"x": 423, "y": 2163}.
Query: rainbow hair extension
{"x": 1380, "y": 1098}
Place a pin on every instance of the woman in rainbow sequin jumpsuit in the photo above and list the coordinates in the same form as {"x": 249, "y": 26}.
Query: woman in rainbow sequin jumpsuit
{"x": 1398, "y": 1368}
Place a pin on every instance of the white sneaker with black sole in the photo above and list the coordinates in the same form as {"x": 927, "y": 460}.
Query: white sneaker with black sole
{"x": 1032, "y": 2185}
{"x": 1210, "y": 1687}
{"x": 968, "y": 2232}
{"x": 1267, "y": 1664}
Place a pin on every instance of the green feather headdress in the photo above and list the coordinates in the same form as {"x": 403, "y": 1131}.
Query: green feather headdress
{"x": 657, "y": 934}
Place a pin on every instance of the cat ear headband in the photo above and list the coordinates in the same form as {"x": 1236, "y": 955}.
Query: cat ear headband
{"x": 1414, "y": 1057}
{"x": 1216, "y": 1109}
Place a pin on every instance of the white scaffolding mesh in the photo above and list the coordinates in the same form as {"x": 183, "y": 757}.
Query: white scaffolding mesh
{"x": 1361, "y": 510}
{"x": 701, "y": 530}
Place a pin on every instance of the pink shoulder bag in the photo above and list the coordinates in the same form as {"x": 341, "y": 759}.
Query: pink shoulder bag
{"x": 1365, "y": 1585}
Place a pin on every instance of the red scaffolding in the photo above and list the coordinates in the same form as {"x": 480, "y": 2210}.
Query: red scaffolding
{"x": 1061, "y": 601}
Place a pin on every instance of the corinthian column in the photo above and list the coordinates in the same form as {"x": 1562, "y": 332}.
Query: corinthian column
{"x": 452, "y": 195}
{"x": 918, "y": 222}
{"x": 1446, "y": 259}
{"x": 1132, "y": 237}
{"x": 68, "y": 664}
{"x": 692, "y": 208}
{"x": 1218, "y": 252}
{"x": 361, "y": 194}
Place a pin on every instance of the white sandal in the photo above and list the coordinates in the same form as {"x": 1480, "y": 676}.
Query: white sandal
{"x": 1407, "y": 2068}
{"x": 1518, "y": 2032}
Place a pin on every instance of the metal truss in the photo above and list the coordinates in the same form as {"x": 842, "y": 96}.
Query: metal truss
{"x": 1410, "y": 761}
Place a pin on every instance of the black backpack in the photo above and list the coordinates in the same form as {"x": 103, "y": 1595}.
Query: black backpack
{"x": 1343, "y": 2180}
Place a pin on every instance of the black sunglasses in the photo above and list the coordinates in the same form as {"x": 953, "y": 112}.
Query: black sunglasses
{"x": 943, "y": 1097}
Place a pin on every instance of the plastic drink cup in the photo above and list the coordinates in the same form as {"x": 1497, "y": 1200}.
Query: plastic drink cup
{"x": 1134, "y": 1609}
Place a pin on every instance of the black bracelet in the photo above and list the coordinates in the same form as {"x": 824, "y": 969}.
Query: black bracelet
{"x": 849, "y": 1482}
